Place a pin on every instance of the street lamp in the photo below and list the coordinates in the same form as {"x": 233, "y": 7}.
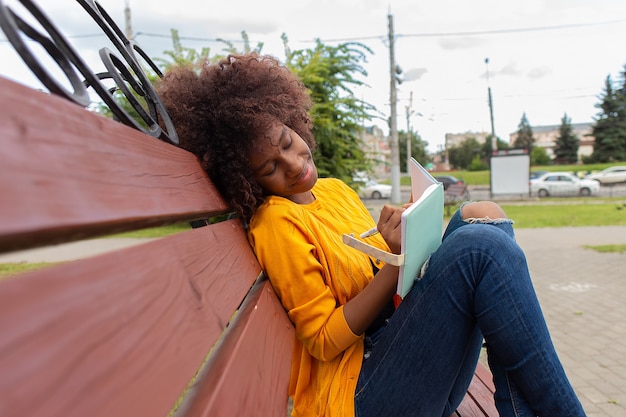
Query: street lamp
{"x": 409, "y": 112}
{"x": 494, "y": 142}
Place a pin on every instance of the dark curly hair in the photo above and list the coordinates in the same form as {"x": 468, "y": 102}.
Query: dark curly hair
{"x": 219, "y": 110}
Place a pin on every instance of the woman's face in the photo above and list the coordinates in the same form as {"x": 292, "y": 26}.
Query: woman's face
{"x": 283, "y": 165}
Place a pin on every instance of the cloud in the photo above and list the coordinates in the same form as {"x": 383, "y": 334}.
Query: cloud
{"x": 539, "y": 72}
{"x": 510, "y": 70}
{"x": 414, "y": 74}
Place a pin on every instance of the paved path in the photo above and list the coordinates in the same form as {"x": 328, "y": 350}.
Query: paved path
{"x": 582, "y": 293}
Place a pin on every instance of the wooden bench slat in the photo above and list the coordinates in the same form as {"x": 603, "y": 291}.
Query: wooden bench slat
{"x": 249, "y": 375}
{"x": 121, "y": 333}
{"x": 484, "y": 375}
{"x": 478, "y": 401}
{"x": 68, "y": 172}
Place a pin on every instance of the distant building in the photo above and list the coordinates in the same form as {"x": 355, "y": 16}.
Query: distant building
{"x": 546, "y": 137}
{"x": 455, "y": 139}
{"x": 376, "y": 147}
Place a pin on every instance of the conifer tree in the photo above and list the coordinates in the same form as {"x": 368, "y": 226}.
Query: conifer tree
{"x": 524, "y": 137}
{"x": 610, "y": 127}
{"x": 566, "y": 148}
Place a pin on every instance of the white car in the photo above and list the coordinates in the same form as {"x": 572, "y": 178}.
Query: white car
{"x": 610, "y": 175}
{"x": 373, "y": 189}
{"x": 559, "y": 184}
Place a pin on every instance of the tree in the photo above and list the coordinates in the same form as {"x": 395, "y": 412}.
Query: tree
{"x": 330, "y": 72}
{"x": 566, "y": 147}
{"x": 539, "y": 156}
{"x": 486, "y": 151}
{"x": 461, "y": 156}
{"x": 486, "y": 148}
{"x": 180, "y": 55}
{"x": 418, "y": 149}
{"x": 524, "y": 137}
{"x": 609, "y": 129}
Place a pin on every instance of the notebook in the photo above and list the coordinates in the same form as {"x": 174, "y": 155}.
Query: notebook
{"x": 422, "y": 225}
{"x": 421, "y": 229}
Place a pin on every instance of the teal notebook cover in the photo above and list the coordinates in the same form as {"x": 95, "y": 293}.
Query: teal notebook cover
{"x": 422, "y": 225}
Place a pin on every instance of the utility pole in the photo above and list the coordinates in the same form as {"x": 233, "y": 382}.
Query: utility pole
{"x": 409, "y": 112}
{"x": 393, "y": 123}
{"x": 129, "y": 29}
{"x": 494, "y": 142}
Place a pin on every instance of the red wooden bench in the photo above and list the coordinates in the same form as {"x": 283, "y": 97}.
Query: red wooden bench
{"x": 453, "y": 195}
{"x": 185, "y": 321}
{"x": 184, "y": 325}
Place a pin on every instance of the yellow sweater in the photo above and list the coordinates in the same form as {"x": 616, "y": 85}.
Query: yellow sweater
{"x": 314, "y": 273}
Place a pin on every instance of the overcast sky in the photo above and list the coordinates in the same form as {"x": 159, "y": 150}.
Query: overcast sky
{"x": 547, "y": 58}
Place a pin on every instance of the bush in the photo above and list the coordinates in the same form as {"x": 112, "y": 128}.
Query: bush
{"x": 477, "y": 164}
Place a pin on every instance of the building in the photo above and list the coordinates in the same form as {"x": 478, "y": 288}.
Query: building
{"x": 546, "y": 137}
{"x": 376, "y": 147}
{"x": 455, "y": 139}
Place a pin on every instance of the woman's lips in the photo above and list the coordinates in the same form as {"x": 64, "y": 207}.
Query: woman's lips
{"x": 305, "y": 174}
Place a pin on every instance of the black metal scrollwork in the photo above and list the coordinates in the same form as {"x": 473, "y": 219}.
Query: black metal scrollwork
{"x": 126, "y": 72}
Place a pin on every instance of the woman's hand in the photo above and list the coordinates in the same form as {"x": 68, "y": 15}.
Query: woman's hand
{"x": 389, "y": 226}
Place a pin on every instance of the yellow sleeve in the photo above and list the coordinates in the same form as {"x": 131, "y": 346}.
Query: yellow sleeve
{"x": 289, "y": 251}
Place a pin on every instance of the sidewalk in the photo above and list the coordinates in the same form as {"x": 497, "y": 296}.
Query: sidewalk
{"x": 582, "y": 293}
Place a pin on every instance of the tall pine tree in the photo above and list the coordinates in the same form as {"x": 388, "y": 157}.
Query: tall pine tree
{"x": 524, "y": 137}
{"x": 610, "y": 127}
{"x": 566, "y": 148}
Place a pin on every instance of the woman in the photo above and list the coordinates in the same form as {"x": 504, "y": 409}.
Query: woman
{"x": 246, "y": 118}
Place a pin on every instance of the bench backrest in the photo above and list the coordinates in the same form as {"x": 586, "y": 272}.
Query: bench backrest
{"x": 456, "y": 189}
{"x": 169, "y": 324}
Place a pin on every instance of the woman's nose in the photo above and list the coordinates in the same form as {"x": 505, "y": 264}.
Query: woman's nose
{"x": 293, "y": 164}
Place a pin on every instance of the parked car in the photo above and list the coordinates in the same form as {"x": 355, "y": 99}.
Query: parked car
{"x": 537, "y": 174}
{"x": 446, "y": 180}
{"x": 374, "y": 189}
{"x": 560, "y": 184}
{"x": 610, "y": 175}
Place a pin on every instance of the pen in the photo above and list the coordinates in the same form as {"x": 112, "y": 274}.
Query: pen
{"x": 369, "y": 233}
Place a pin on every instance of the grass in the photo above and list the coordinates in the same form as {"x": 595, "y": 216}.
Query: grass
{"x": 14, "y": 268}
{"x": 154, "y": 231}
{"x": 608, "y": 248}
{"x": 571, "y": 214}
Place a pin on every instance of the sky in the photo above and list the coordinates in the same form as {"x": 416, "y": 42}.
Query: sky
{"x": 542, "y": 58}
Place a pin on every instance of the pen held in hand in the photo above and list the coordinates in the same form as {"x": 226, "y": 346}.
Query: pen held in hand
{"x": 369, "y": 233}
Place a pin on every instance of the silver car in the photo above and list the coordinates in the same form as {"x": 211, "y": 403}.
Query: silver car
{"x": 373, "y": 189}
{"x": 610, "y": 175}
{"x": 561, "y": 184}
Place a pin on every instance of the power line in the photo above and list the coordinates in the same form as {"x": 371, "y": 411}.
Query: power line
{"x": 515, "y": 30}
{"x": 383, "y": 37}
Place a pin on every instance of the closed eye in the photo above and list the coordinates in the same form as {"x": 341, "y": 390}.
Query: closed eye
{"x": 270, "y": 169}
{"x": 286, "y": 139}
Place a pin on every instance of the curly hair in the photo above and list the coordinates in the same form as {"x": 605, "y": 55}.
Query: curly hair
{"x": 220, "y": 109}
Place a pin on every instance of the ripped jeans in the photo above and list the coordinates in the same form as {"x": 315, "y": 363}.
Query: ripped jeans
{"x": 476, "y": 286}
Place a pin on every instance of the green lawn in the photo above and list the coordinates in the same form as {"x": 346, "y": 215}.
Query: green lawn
{"x": 568, "y": 214}
{"x": 608, "y": 248}
{"x": 14, "y": 268}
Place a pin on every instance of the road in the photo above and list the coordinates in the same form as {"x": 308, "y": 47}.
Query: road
{"x": 482, "y": 192}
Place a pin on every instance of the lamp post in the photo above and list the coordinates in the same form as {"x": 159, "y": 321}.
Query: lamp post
{"x": 494, "y": 142}
{"x": 409, "y": 112}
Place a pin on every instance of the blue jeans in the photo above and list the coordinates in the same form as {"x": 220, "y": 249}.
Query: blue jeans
{"x": 476, "y": 286}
